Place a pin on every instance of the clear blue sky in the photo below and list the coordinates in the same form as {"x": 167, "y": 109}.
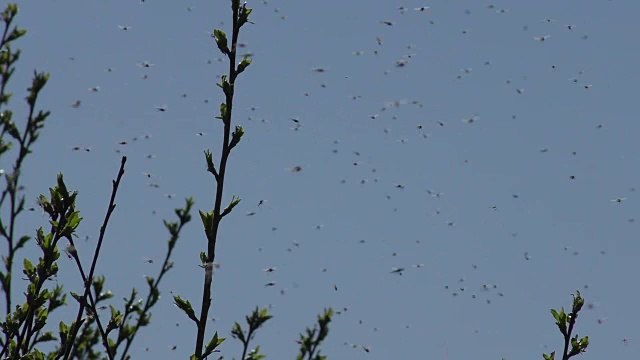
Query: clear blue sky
{"x": 461, "y": 60}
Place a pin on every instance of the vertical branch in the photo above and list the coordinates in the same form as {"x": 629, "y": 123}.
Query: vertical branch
{"x": 25, "y": 140}
{"x": 89, "y": 281}
{"x": 212, "y": 220}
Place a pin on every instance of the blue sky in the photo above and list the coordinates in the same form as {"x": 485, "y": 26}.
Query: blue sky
{"x": 375, "y": 139}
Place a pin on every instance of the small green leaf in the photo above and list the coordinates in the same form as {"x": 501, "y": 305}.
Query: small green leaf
{"x": 213, "y": 344}
{"x": 63, "y": 331}
{"x": 221, "y": 41}
{"x": 44, "y": 203}
{"x": 72, "y": 223}
{"x": 172, "y": 227}
{"x": 237, "y": 332}
{"x": 243, "y": 15}
{"x": 223, "y": 112}
{"x": 208, "y": 219}
{"x": 13, "y": 130}
{"x": 255, "y": 354}
{"x": 226, "y": 86}
{"x": 29, "y": 269}
{"x": 578, "y": 302}
{"x": 210, "y": 166}
{"x": 23, "y": 240}
{"x": 62, "y": 188}
{"x": 234, "y": 201}
{"x": 48, "y": 336}
{"x": 115, "y": 320}
{"x": 185, "y": 306}
{"x": 15, "y": 34}
{"x": 41, "y": 319}
{"x": 236, "y": 136}
{"x": 243, "y": 64}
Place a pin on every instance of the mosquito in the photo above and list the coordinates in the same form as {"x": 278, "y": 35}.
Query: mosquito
{"x": 145, "y": 64}
{"x": 148, "y": 260}
{"x": 471, "y": 119}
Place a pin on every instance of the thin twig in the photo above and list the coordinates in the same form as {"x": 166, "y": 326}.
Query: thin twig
{"x": 211, "y": 245}
{"x": 87, "y": 285}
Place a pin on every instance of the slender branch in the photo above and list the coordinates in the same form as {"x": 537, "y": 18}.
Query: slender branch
{"x": 13, "y": 180}
{"x": 87, "y": 286}
{"x": 567, "y": 337}
{"x": 211, "y": 241}
{"x": 246, "y": 344}
{"x": 92, "y": 302}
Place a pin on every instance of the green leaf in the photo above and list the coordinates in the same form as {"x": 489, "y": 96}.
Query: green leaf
{"x": 208, "y": 219}
{"x": 236, "y": 136}
{"x": 62, "y": 188}
{"x": 41, "y": 319}
{"x": 237, "y": 332}
{"x": 35, "y": 354}
{"x": 243, "y": 15}
{"x": 210, "y": 166}
{"x": 9, "y": 13}
{"x": 23, "y": 240}
{"x": 15, "y": 34}
{"x": 561, "y": 320}
{"x": 255, "y": 354}
{"x": 226, "y": 86}
{"x": 234, "y": 201}
{"x": 221, "y": 41}
{"x": 44, "y": 203}
{"x": 72, "y": 223}
{"x": 13, "y": 130}
{"x": 213, "y": 344}
{"x": 29, "y": 269}
{"x": 115, "y": 321}
{"x": 264, "y": 313}
{"x": 63, "y": 331}
{"x": 223, "y": 112}
{"x": 48, "y": 336}
{"x": 243, "y": 65}
{"x": 185, "y": 306}
{"x": 578, "y": 302}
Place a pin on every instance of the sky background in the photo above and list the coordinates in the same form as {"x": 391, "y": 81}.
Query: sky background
{"x": 393, "y": 173}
